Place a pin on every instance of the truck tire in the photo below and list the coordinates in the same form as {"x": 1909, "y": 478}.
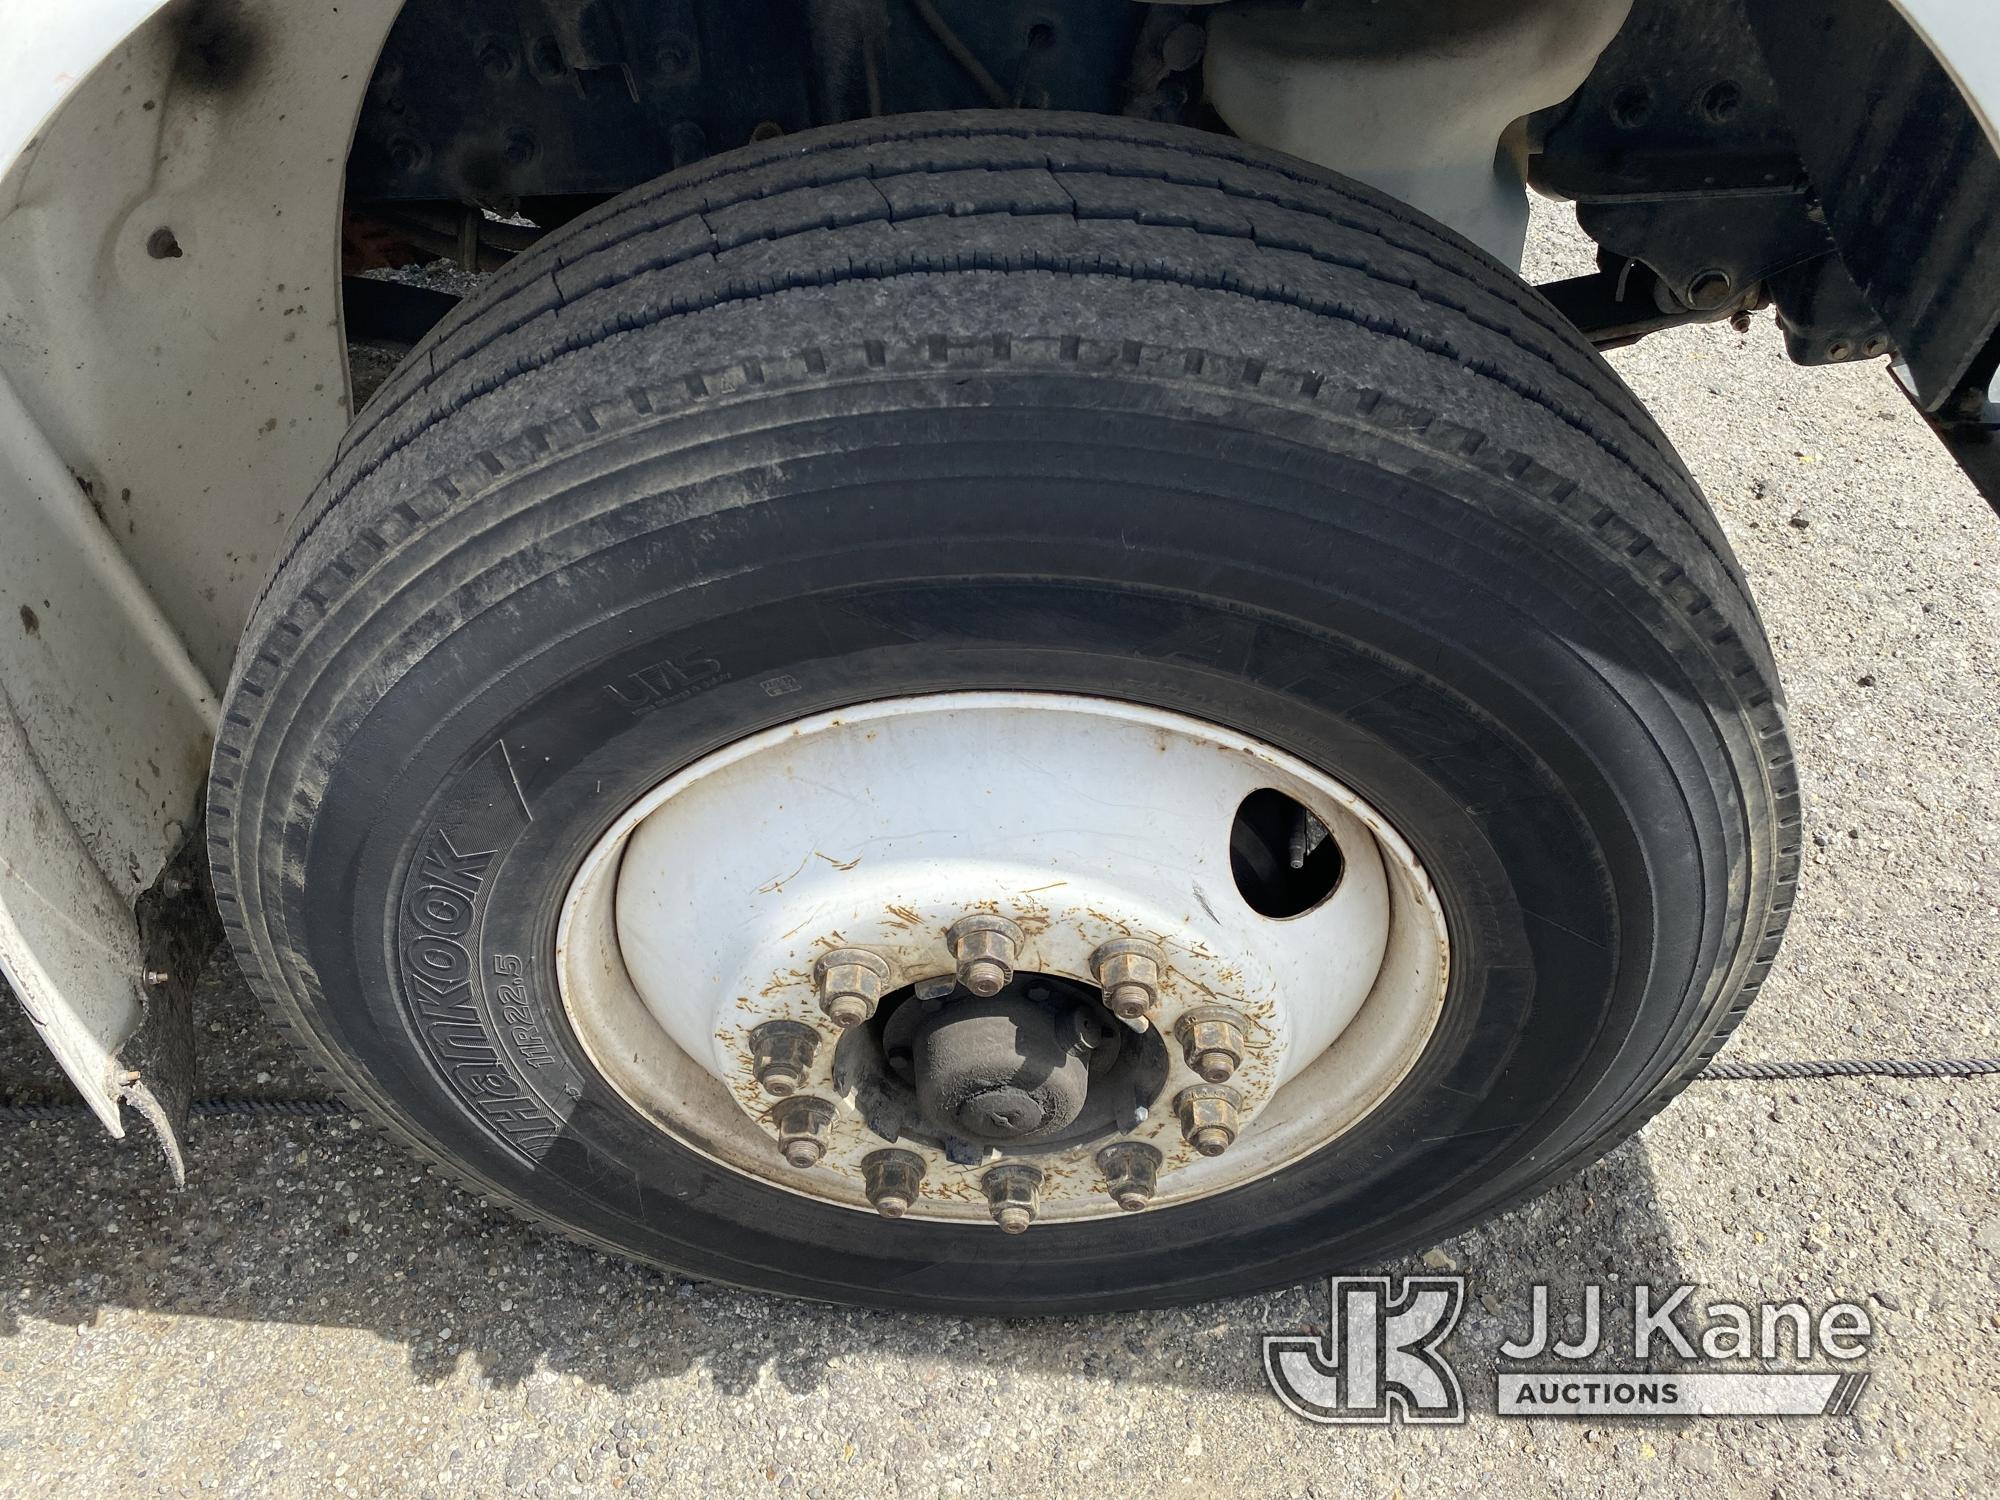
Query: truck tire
{"x": 1075, "y": 417}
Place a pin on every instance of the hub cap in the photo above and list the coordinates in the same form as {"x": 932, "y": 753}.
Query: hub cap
{"x": 976, "y": 957}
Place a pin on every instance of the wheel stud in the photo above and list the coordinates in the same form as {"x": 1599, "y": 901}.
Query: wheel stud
{"x": 1209, "y": 1114}
{"x": 1014, "y": 1193}
{"x": 1129, "y": 970}
{"x": 892, "y": 1180}
{"x": 1131, "y": 1173}
{"x": 1211, "y": 1041}
{"x": 802, "y": 1122}
{"x": 781, "y": 1055}
{"x": 849, "y": 981}
{"x": 985, "y": 949}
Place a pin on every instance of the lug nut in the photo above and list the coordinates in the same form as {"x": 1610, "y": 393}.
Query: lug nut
{"x": 849, "y": 981}
{"x": 985, "y": 948}
{"x": 1131, "y": 1173}
{"x": 802, "y": 1122}
{"x": 1209, "y": 1115}
{"x": 1014, "y": 1193}
{"x": 1129, "y": 970}
{"x": 892, "y": 1180}
{"x": 781, "y": 1055}
{"x": 1211, "y": 1041}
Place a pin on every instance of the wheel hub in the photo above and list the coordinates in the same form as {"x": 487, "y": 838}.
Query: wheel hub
{"x": 1005, "y": 939}
{"x": 1004, "y": 1067}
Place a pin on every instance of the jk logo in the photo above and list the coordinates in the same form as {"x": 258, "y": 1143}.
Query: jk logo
{"x": 1379, "y": 1357}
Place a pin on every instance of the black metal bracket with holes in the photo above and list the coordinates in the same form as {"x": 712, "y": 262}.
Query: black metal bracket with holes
{"x": 1812, "y": 154}
{"x": 1908, "y": 179}
{"x": 509, "y": 104}
{"x": 1681, "y": 156}
{"x": 495, "y": 102}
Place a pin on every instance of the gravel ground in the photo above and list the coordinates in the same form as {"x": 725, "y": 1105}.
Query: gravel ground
{"x": 321, "y": 1315}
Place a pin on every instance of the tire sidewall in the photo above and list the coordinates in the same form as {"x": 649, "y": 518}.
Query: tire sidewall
{"x": 1327, "y": 588}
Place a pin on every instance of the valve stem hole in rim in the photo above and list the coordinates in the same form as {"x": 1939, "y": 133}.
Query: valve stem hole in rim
{"x": 1281, "y": 856}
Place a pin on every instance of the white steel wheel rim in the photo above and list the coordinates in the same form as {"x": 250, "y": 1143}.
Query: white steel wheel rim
{"x": 700, "y": 913}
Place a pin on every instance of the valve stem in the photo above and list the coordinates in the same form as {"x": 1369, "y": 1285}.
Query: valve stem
{"x": 1308, "y": 833}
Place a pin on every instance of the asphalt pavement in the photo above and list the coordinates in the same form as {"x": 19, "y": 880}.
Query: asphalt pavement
{"x": 319, "y": 1314}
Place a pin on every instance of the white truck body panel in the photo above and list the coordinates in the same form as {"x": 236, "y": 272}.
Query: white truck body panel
{"x": 162, "y": 417}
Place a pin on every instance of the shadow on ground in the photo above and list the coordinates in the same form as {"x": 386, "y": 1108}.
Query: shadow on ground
{"x": 322, "y": 1222}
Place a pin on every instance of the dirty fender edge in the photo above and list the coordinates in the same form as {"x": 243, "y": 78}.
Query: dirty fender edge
{"x": 162, "y": 417}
